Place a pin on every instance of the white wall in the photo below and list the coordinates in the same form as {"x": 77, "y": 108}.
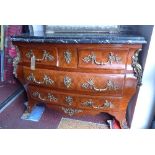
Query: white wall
{"x": 145, "y": 106}
{"x": 145, "y": 31}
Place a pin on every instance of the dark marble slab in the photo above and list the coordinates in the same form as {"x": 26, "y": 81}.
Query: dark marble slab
{"x": 101, "y": 38}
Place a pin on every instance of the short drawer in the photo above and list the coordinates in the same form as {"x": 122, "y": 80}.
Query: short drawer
{"x": 102, "y": 58}
{"x": 67, "y": 57}
{"x": 89, "y": 83}
{"x": 43, "y": 55}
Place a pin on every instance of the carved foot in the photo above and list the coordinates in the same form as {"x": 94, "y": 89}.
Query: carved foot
{"x": 113, "y": 124}
{"x": 124, "y": 124}
{"x": 30, "y": 105}
{"x": 29, "y": 109}
{"x": 121, "y": 118}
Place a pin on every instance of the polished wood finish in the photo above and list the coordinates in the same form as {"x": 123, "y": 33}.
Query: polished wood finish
{"x": 72, "y": 63}
{"x": 77, "y": 79}
{"x": 77, "y": 101}
{"x": 77, "y": 83}
{"x": 38, "y": 53}
{"x": 102, "y": 56}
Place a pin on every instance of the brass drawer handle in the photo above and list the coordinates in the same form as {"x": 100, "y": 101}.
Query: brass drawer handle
{"x": 69, "y": 100}
{"x": 111, "y": 58}
{"x": 91, "y": 104}
{"x": 37, "y": 95}
{"x": 110, "y": 85}
{"x": 71, "y": 111}
{"x": 49, "y": 97}
{"x": 67, "y": 81}
{"x": 67, "y": 56}
{"x": 46, "y": 79}
{"x": 46, "y": 56}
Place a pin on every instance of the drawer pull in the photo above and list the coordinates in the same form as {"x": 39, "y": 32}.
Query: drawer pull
{"x": 111, "y": 58}
{"x": 49, "y": 97}
{"x": 67, "y": 56}
{"x": 71, "y": 111}
{"x": 46, "y": 79}
{"x": 67, "y": 81}
{"x": 110, "y": 85}
{"x": 37, "y": 95}
{"x": 69, "y": 100}
{"x": 90, "y": 103}
{"x": 46, "y": 56}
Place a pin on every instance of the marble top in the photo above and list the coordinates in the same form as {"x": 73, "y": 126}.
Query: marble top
{"x": 105, "y": 38}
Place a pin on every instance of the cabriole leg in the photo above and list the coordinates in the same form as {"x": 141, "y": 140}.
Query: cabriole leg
{"x": 121, "y": 117}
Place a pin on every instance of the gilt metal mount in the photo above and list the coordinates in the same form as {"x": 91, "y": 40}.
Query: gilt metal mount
{"x": 46, "y": 79}
{"x": 67, "y": 56}
{"x": 110, "y": 85}
{"x": 71, "y": 111}
{"x": 67, "y": 81}
{"x": 90, "y": 103}
{"x": 110, "y": 59}
{"x": 16, "y": 60}
{"x": 137, "y": 68}
{"x": 46, "y": 56}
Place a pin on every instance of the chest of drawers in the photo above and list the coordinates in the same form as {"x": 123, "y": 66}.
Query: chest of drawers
{"x": 79, "y": 76}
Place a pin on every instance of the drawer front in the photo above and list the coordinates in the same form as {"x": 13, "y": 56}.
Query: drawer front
{"x": 67, "y": 57}
{"x": 43, "y": 56}
{"x": 73, "y": 100}
{"x": 94, "y": 84}
{"x": 102, "y": 58}
{"x": 48, "y": 96}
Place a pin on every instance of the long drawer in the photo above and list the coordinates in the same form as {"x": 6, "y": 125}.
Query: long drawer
{"x": 73, "y": 100}
{"x": 89, "y": 83}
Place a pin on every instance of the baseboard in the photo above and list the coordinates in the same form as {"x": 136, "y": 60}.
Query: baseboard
{"x": 11, "y": 98}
